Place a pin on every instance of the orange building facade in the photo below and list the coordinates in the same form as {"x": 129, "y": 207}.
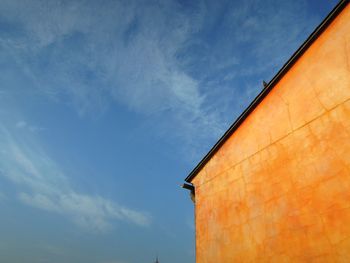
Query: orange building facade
{"x": 276, "y": 187}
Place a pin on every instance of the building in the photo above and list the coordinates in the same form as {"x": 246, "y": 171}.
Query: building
{"x": 276, "y": 186}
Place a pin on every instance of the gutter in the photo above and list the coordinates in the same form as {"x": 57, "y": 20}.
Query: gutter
{"x": 190, "y": 187}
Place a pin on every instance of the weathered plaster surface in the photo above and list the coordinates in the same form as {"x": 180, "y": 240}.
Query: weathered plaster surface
{"x": 278, "y": 190}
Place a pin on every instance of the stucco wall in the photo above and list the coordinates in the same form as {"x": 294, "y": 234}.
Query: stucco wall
{"x": 279, "y": 189}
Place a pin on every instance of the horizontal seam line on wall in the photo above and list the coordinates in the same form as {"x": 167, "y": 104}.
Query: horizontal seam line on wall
{"x": 283, "y": 137}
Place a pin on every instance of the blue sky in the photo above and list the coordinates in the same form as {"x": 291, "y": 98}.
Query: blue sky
{"x": 106, "y": 106}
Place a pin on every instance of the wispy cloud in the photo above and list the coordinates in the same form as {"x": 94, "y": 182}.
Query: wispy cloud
{"x": 185, "y": 69}
{"x": 25, "y": 125}
{"x": 41, "y": 184}
{"x": 257, "y": 34}
{"x": 21, "y": 124}
{"x": 127, "y": 53}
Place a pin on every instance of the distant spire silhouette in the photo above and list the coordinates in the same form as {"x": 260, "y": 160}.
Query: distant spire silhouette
{"x": 157, "y": 261}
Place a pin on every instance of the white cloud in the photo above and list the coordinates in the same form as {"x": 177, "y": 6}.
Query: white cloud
{"x": 29, "y": 127}
{"x": 129, "y": 49}
{"x": 282, "y": 31}
{"x": 42, "y": 185}
{"x": 155, "y": 59}
{"x": 21, "y": 124}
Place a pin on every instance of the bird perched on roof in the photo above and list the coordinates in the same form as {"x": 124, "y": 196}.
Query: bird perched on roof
{"x": 265, "y": 84}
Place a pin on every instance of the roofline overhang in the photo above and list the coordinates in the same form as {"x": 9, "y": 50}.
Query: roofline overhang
{"x": 266, "y": 90}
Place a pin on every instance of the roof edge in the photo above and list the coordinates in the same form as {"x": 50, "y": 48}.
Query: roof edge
{"x": 285, "y": 68}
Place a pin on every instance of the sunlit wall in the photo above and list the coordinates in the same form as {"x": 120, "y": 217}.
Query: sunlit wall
{"x": 278, "y": 190}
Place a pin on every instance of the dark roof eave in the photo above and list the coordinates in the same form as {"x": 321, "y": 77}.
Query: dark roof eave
{"x": 301, "y": 50}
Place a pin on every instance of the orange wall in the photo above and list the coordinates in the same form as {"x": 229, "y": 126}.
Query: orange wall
{"x": 278, "y": 190}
